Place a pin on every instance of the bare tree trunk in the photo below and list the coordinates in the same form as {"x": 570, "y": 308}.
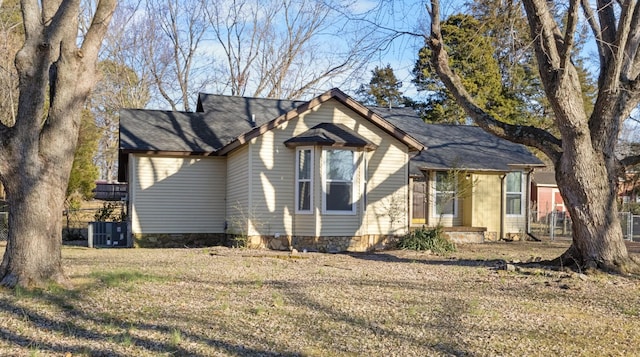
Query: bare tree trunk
{"x": 33, "y": 253}
{"x": 590, "y": 198}
{"x": 36, "y": 155}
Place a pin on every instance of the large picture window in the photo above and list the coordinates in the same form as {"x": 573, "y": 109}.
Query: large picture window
{"x": 514, "y": 193}
{"x": 304, "y": 180}
{"x": 339, "y": 170}
{"x": 445, "y": 201}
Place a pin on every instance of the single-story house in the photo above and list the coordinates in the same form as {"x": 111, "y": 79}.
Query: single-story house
{"x": 472, "y": 183}
{"x": 328, "y": 174}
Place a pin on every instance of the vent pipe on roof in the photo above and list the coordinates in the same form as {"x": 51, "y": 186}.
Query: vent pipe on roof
{"x": 253, "y": 119}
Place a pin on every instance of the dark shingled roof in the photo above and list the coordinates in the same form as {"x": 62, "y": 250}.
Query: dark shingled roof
{"x": 218, "y": 121}
{"x": 330, "y": 134}
{"x": 231, "y": 108}
{"x": 457, "y": 146}
{"x": 222, "y": 119}
{"x": 154, "y": 130}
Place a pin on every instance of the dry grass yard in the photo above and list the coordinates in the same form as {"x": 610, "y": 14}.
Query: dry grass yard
{"x": 221, "y": 302}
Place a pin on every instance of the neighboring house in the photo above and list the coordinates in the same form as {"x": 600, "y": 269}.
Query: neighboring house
{"x": 629, "y": 184}
{"x": 545, "y": 196}
{"x": 326, "y": 174}
{"x": 629, "y": 188}
{"x": 474, "y": 184}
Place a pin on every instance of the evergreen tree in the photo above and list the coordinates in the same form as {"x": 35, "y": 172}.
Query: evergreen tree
{"x": 471, "y": 55}
{"x": 505, "y": 24}
{"x": 383, "y": 89}
{"x": 84, "y": 171}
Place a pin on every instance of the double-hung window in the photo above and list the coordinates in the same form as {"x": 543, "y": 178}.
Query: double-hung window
{"x": 514, "y": 193}
{"x": 339, "y": 174}
{"x": 445, "y": 187}
{"x": 304, "y": 180}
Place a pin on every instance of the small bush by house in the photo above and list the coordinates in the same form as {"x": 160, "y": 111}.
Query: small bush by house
{"x": 425, "y": 238}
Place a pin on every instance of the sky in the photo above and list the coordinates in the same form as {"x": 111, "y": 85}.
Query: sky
{"x": 402, "y": 53}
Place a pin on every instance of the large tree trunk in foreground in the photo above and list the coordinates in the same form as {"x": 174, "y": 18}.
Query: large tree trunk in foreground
{"x": 33, "y": 253}
{"x": 590, "y": 198}
{"x": 36, "y": 155}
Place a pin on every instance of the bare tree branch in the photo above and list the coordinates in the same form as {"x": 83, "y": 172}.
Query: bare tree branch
{"x": 595, "y": 29}
{"x": 526, "y": 135}
{"x": 98, "y": 29}
{"x": 572, "y": 22}
{"x": 273, "y": 48}
{"x": 631, "y": 66}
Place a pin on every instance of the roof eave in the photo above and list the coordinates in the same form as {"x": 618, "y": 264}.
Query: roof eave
{"x": 367, "y": 147}
{"x": 433, "y": 168}
{"x": 168, "y": 153}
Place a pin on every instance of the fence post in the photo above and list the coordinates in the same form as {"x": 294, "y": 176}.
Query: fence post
{"x": 90, "y": 235}
{"x": 552, "y": 225}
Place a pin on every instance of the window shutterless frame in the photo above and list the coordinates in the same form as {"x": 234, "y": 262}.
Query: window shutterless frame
{"x": 304, "y": 180}
{"x": 338, "y": 181}
{"x": 515, "y": 193}
{"x": 445, "y": 200}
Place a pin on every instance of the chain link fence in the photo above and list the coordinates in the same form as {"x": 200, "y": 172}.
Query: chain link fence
{"x": 4, "y": 225}
{"x": 557, "y": 225}
{"x": 550, "y": 226}
{"x": 75, "y": 222}
{"x": 630, "y": 226}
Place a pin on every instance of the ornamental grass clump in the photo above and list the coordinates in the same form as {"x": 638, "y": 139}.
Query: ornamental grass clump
{"x": 424, "y": 238}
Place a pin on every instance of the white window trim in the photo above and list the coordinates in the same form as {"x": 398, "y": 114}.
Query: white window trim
{"x": 365, "y": 180}
{"x": 311, "y": 183}
{"x": 521, "y": 193}
{"x": 324, "y": 184}
{"x": 434, "y": 186}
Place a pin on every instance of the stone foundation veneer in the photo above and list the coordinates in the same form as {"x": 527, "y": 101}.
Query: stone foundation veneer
{"x": 333, "y": 244}
{"x": 313, "y": 244}
{"x": 179, "y": 240}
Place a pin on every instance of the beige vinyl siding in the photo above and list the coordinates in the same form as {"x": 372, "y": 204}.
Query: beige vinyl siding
{"x": 178, "y": 195}
{"x": 387, "y": 188}
{"x": 515, "y": 224}
{"x": 272, "y": 187}
{"x": 237, "y": 201}
{"x": 273, "y": 176}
